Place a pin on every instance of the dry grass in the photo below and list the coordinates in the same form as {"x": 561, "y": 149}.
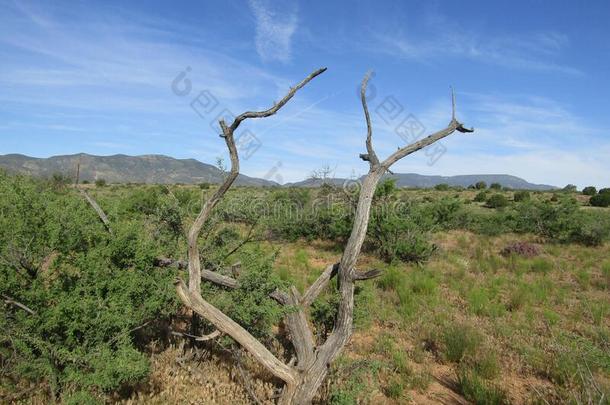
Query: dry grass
{"x": 542, "y": 324}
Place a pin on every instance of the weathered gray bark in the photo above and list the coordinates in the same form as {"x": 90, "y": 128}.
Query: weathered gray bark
{"x": 100, "y": 212}
{"x": 302, "y": 379}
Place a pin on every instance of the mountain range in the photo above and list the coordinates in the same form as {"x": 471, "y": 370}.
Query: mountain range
{"x": 166, "y": 170}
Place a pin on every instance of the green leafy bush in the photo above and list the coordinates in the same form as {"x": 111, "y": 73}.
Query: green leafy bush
{"x": 589, "y": 190}
{"x": 480, "y": 185}
{"x": 600, "y": 200}
{"x": 400, "y": 237}
{"x": 570, "y": 188}
{"x": 497, "y": 201}
{"x": 521, "y": 196}
{"x": 88, "y": 291}
{"x": 495, "y": 186}
{"x": 480, "y": 197}
{"x": 442, "y": 187}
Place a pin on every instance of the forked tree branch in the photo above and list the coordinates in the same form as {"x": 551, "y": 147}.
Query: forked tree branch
{"x": 370, "y": 156}
{"x": 304, "y": 379}
{"x": 346, "y": 273}
{"x": 454, "y": 125}
{"x": 319, "y": 285}
{"x": 191, "y": 296}
{"x": 276, "y": 106}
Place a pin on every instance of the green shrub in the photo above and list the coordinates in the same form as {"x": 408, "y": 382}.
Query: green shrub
{"x": 480, "y": 185}
{"x": 89, "y": 301}
{"x": 250, "y": 305}
{"x": 495, "y": 186}
{"x": 600, "y": 200}
{"x": 385, "y": 189}
{"x": 442, "y": 187}
{"x": 400, "y": 238}
{"x": 497, "y": 201}
{"x": 59, "y": 180}
{"x": 570, "y": 188}
{"x": 589, "y": 190}
{"x": 443, "y": 212}
{"x": 100, "y": 183}
{"x": 591, "y": 231}
{"x": 480, "y": 197}
{"x": 521, "y": 196}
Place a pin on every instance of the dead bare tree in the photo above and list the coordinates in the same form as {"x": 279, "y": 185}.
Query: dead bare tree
{"x": 303, "y": 378}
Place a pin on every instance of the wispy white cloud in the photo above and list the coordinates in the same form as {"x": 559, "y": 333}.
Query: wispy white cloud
{"x": 274, "y": 31}
{"x": 532, "y": 137}
{"x": 536, "y": 51}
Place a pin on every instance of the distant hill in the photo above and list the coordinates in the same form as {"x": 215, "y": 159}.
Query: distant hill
{"x": 166, "y": 170}
{"x": 506, "y": 180}
{"x": 420, "y": 181}
{"x": 125, "y": 169}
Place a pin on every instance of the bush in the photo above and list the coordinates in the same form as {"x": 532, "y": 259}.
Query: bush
{"x": 94, "y": 291}
{"x": 400, "y": 237}
{"x": 591, "y": 231}
{"x": 480, "y": 197}
{"x": 521, "y": 196}
{"x": 570, "y": 188}
{"x": 59, "y": 180}
{"x": 495, "y": 186}
{"x": 385, "y": 189}
{"x": 442, "y": 187}
{"x": 480, "y": 185}
{"x": 600, "y": 200}
{"x": 100, "y": 183}
{"x": 589, "y": 190}
{"x": 497, "y": 201}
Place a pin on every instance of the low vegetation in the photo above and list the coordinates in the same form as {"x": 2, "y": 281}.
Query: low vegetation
{"x": 494, "y": 303}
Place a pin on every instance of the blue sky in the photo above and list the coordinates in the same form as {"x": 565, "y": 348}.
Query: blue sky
{"x": 531, "y": 77}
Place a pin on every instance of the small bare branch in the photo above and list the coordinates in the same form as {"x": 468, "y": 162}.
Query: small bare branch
{"x": 203, "y": 338}
{"x": 319, "y": 285}
{"x": 324, "y": 279}
{"x": 370, "y": 156}
{"x": 452, "y": 104}
{"x": 98, "y": 209}
{"x": 414, "y": 147}
{"x": 247, "y": 239}
{"x": 10, "y": 301}
{"x": 262, "y": 114}
{"x": 216, "y": 278}
{"x": 367, "y": 275}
